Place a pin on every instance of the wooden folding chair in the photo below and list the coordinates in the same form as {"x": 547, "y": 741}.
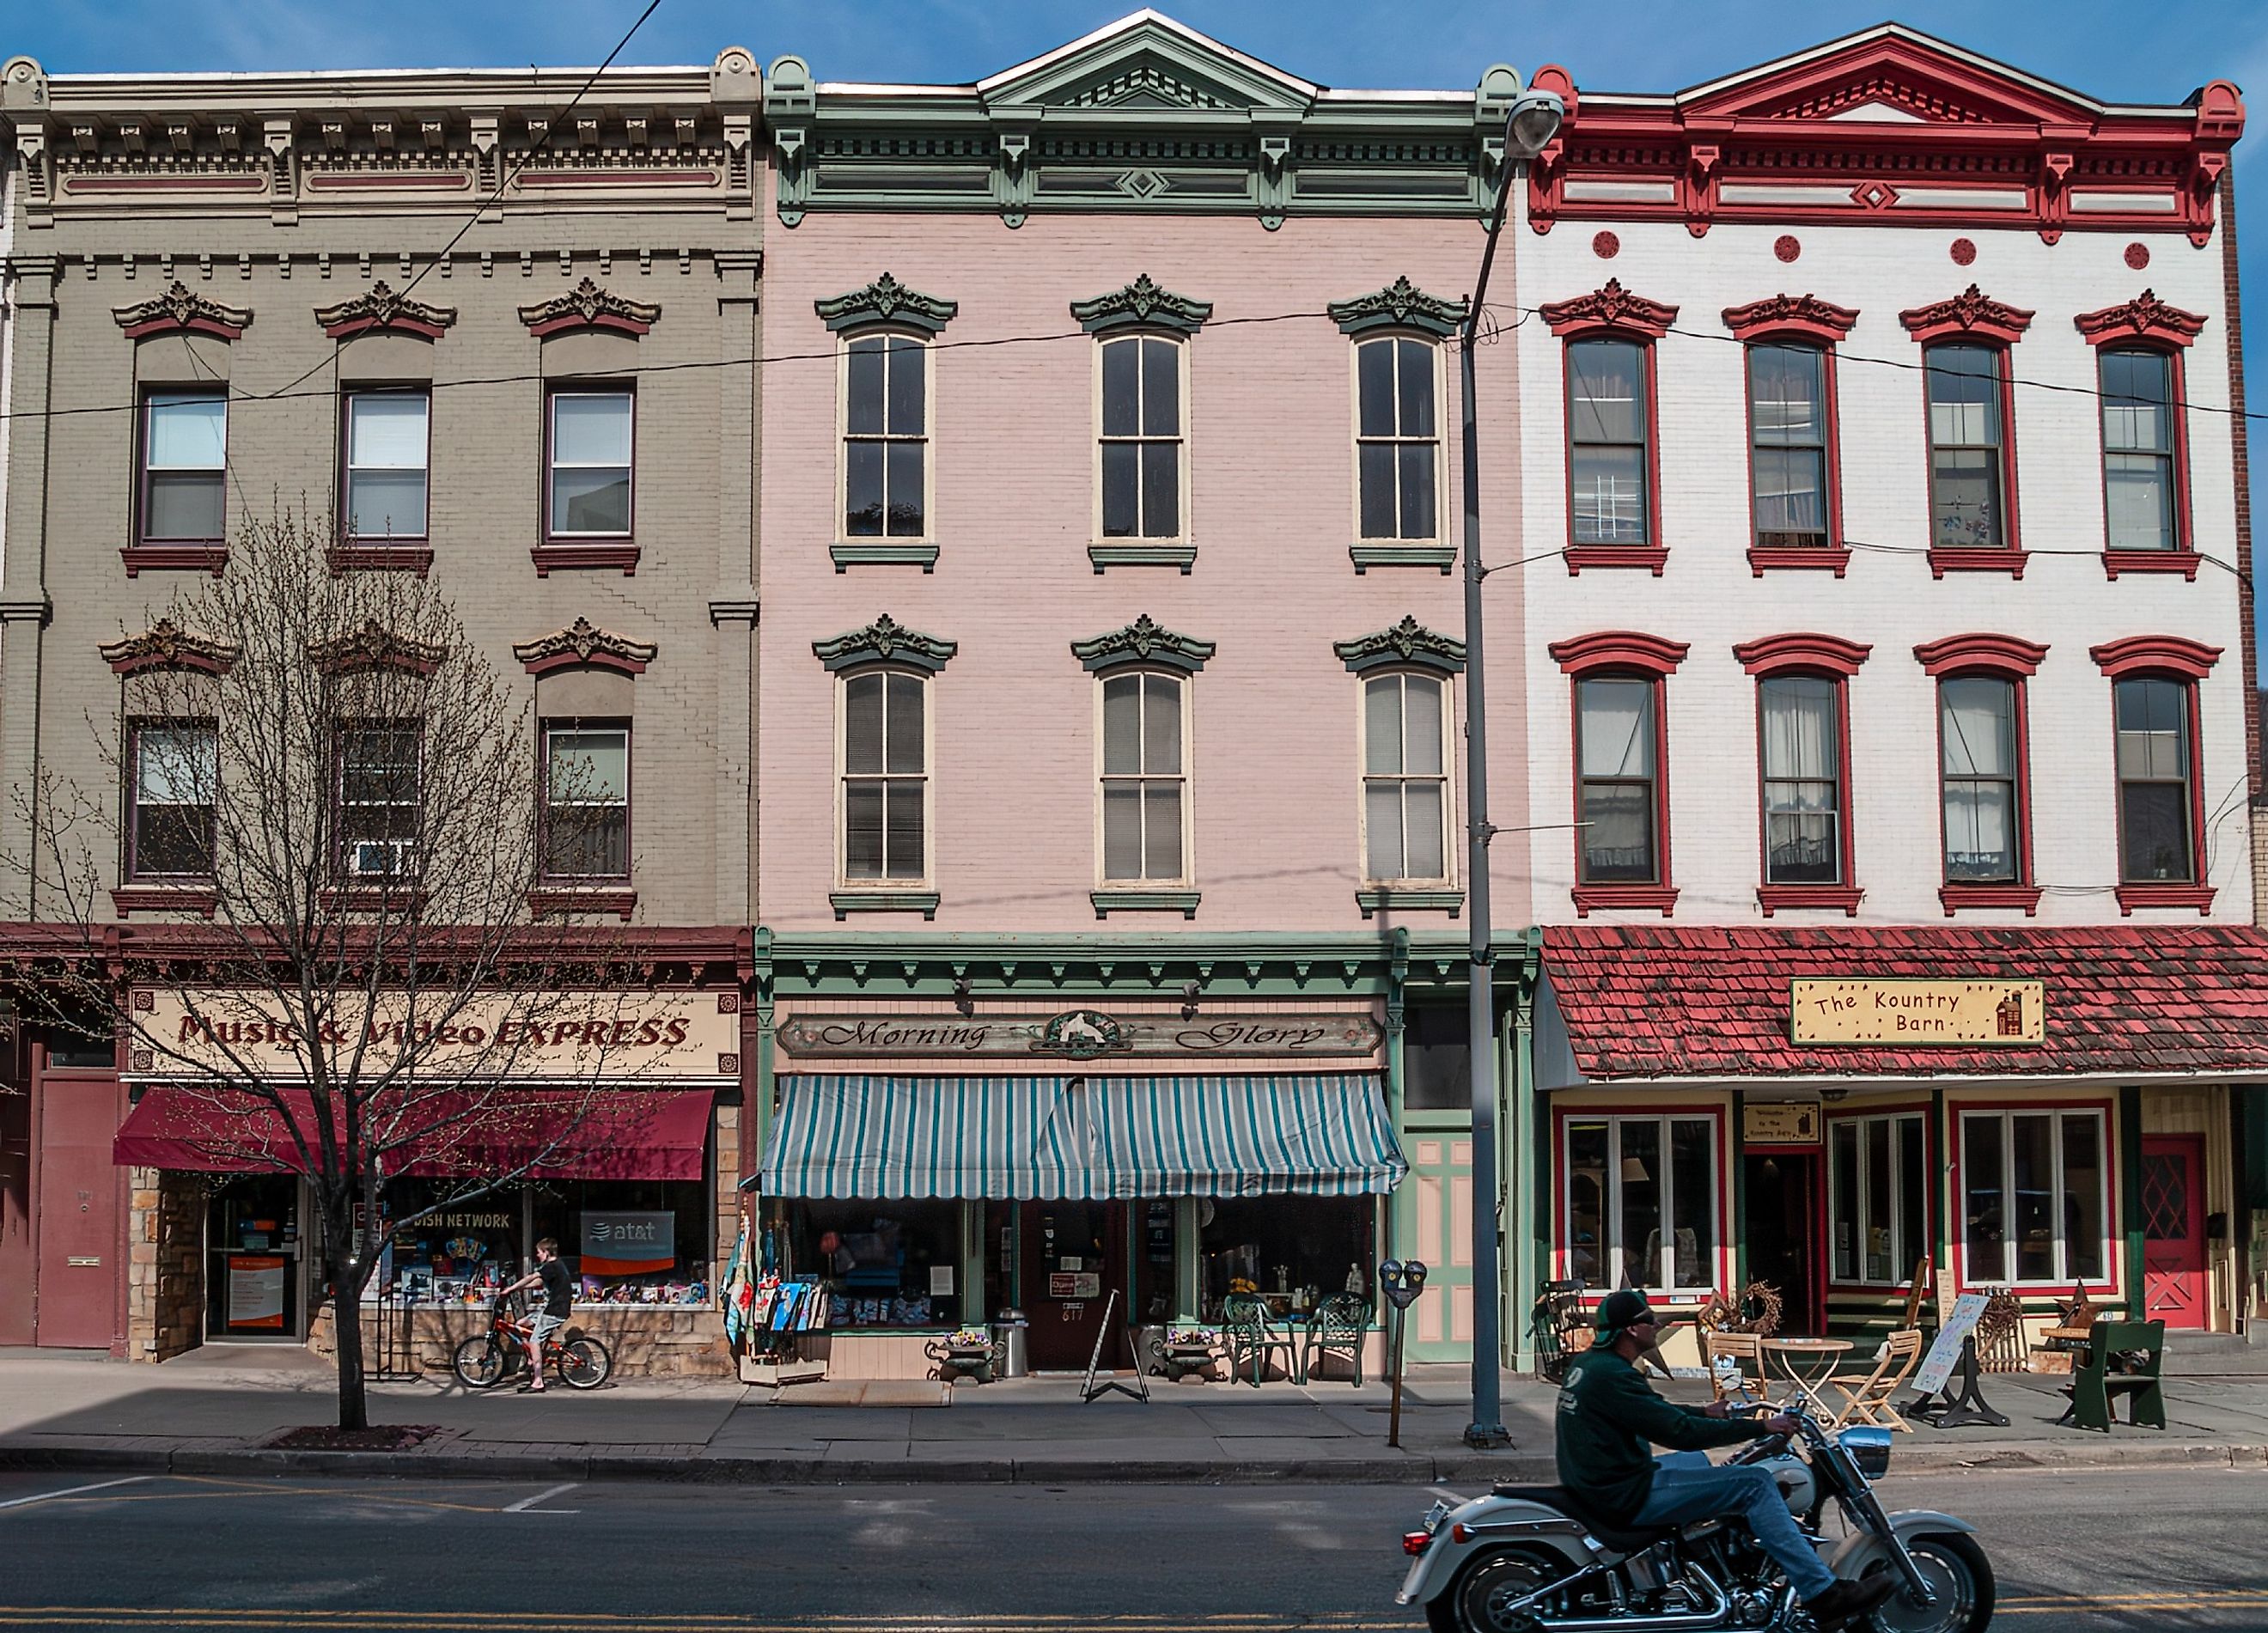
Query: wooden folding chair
{"x": 1911, "y": 1315}
{"x": 1867, "y": 1395}
{"x": 1741, "y": 1357}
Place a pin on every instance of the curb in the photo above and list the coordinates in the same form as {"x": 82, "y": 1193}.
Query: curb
{"x": 1453, "y": 1470}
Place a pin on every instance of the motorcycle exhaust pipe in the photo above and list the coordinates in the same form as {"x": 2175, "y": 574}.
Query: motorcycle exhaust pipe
{"x": 1713, "y": 1614}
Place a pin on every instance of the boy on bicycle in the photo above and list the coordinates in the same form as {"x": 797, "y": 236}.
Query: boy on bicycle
{"x": 558, "y": 1299}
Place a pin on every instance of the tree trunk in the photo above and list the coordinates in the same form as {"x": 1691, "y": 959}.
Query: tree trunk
{"x": 346, "y": 1312}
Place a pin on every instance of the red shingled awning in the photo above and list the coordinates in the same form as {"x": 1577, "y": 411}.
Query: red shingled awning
{"x": 565, "y": 1134}
{"x": 1655, "y": 1003}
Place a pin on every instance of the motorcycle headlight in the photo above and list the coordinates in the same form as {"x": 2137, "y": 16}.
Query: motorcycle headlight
{"x": 1869, "y": 1447}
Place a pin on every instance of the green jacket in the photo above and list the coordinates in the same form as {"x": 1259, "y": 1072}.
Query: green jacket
{"x": 1606, "y": 1415}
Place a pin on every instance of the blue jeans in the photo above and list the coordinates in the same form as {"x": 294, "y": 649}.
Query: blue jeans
{"x": 1687, "y": 1487}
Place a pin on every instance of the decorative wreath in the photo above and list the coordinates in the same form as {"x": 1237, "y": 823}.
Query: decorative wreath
{"x": 1751, "y": 1307}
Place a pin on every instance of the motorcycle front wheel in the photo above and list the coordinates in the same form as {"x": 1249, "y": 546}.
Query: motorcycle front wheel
{"x": 480, "y": 1363}
{"x": 1480, "y": 1599}
{"x": 584, "y": 1363}
{"x": 1961, "y": 1587}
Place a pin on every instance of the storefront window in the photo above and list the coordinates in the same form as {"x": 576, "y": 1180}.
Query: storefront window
{"x": 1437, "y": 1059}
{"x": 1874, "y": 1198}
{"x": 627, "y": 1241}
{"x": 1295, "y": 1249}
{"x": 884, "y": 1263}
{"x": 254, "y": 1271}
{"x": 1636, "y": 1215}
{"x": 467, "y": 1247}
{"x": 2033, "y": 1196}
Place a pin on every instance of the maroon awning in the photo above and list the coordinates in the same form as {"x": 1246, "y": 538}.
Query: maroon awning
{"x": 565, "y": 1134}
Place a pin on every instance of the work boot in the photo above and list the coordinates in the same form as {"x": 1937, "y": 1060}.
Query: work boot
{"x": 1847, "y": 1601}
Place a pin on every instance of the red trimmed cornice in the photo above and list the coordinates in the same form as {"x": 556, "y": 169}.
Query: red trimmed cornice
{"x": 2009, "y": 654}
{"x": 2144, "y": 317}
{"x": 1611, "y": 308}
{"x": 1972, "y": 314}
{"x": 1806, "y": 316}
{"x": 384, "y": 309}
{"x": 583, "y": 645}
{"x": 1773, "y": 653}
{"x": 180, "y": 311}
{"x": 2169, "y": 653}
{"x": 1619, "y": 649}
{"x": 166, "y": 646}
{"x": 588, "y": 306}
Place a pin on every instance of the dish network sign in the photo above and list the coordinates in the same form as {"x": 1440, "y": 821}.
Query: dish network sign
{"x": 556, "y": 1034}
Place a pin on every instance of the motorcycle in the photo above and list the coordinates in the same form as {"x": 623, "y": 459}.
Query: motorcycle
{"x": 1532, "y": 1559}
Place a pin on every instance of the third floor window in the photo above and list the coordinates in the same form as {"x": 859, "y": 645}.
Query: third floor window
{"x": 1397, "y": 439}
{"x": 1609, "y": 414}
{"x": 1788, "y": 450}
{"x": 1139, "y": 448}
{"x": 1967, "y": 440}
{"x": 184, "y": 465}
{"x": 2140, "y": 478}
{"x": 885, "y": 438}
{"x": 385, "y": 464}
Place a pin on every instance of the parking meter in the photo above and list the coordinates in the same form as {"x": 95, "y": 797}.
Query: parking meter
{"x": 1401, "y": 1282}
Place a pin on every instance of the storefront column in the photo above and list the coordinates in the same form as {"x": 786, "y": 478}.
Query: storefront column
{"x": 2129, "y": 1199}
{"x": 1187, "y": 1304}
{"x": 971, "y": 1271}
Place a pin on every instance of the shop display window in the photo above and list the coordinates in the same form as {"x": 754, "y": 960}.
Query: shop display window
{"x": 465, "y": 1249}
{"x": 1639, "y": 1198}
{"x": 627, "y": 1241}
{"x": 1294, "y": 1251}
{"x": 2033, "y": 1196}
{"x": 1876, "y": 1183}
{"x": 884, "y": 1264}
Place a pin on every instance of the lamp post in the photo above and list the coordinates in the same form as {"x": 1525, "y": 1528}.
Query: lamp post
{"x": 1530, "y": 123}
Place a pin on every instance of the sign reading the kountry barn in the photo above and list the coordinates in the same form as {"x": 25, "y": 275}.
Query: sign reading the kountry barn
{"x": 1920, "y": 1014}
{"x": 1081, "y": 1035}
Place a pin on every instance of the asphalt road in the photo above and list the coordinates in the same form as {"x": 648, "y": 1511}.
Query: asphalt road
{"x": 2097, "y": 1549}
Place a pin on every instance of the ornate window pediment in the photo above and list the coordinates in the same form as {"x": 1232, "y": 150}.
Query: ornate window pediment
{"x": 1612, "y": 307}
{"x": 588, "y": 306}
{"x": 2144, "y": 317}
{"x": 1141, "y": 304}
{"x": 1143, "y": 642}
{"x": 1400, "y": 305}
{"x": 1806, "y": 315}
{"x": 374, "y": 646}
{"x": 886, "y": 301}
{"x": 584, "y": 644}
{"x": 884, "y": 641}
{"x": 181, "y": 309}
{"x": 1409, "y": 643}
{"x": 1970, "y": 313}
{"x": 166, "y": 646}
{"x": 382, "y": 307}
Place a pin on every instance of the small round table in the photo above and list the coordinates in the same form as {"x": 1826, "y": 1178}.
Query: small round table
{"x": 1820, "y": 1355}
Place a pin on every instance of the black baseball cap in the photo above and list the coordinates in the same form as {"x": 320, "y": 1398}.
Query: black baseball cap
{"x": 1624, "y": 1308}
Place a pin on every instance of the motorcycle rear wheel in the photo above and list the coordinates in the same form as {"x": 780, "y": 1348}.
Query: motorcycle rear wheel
{"x": 584, "y": 1363}
{"x": 480, "y": 1363}
{"x": 1476, "y": 1601}
{"x": 1959, "y": 1576}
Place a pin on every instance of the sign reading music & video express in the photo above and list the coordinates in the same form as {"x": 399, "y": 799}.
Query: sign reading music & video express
{"x": 1919, "y": 1014}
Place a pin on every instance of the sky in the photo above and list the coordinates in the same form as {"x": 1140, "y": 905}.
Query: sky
{"x": 2109, "y": 51}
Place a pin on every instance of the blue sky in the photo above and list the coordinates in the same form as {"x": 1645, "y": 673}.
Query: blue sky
{"x": 2111, "y": 51}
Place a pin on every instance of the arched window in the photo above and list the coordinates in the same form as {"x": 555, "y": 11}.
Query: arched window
{"x": 1803, "y": 728}
{"x": 1406, "y": 758}
{"x": 883, "y": 828}
{"x": 1983, "y": 776}
{"x": 2161, "y": 817}
{"x": 1143, "y": 777}
{"x": 1621, "y": 767}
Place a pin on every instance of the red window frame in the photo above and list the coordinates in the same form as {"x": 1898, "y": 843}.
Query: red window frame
{"x": 1956, "y": 1233}
{"x": 1822, "y": 657}
{"x": 395, "y": 552}
{"x": 1797, "y": 320}
{"x": 2187, "y": 662}
{"x": 2008, "y": 557}
{"x": 1622, "y": 654}
{"x": 1562, "y": 1230}
{"x": 2183, "y": 558}
{"x": 149, "y": 550}
{"x": 1933, "y": 1157}
{"x": 1999, "y": 657}
{"x": 1612, "y": 312}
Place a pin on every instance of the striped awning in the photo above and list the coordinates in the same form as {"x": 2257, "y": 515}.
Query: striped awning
{"x": 1097, "y": 1138}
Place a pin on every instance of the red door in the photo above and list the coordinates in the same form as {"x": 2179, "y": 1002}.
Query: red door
{"x": 80, "y": 1238}
{"x": 2173, "y": 1229}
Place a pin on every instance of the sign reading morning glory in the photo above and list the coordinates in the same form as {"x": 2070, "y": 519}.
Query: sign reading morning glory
{"x": 1923, "y": 1014}
{"x": 1080, "y": 1034}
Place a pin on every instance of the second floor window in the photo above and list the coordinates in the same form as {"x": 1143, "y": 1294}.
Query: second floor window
{"x": 2156, "y": 807}
{"x": 381, "y": 798}
{"x": 1615, "y": 727}
{"x": 1978, "y": 760}
{"x": 184, "y": 465}
{"x": 885, "y": 777}
{"x": 1609, "y": 411}
{"x": 1397, "y": 439}
{"x": 1967, "y": 476}
{"x": 1144, "y": 783}
{"x": 2138, "y": 473}
{"x": 885, "y": 438}
{"x": 1140, "y": 445}
{"x": 1787, "y": 432}
{"x": 591, "y": 463}
{"x": 175, "y": 779}
{"x": 586, "y": 802}
{"x": 1404, "y": 780}
{"x": 386, "y": 460}
{"x": 1803, "y": 725}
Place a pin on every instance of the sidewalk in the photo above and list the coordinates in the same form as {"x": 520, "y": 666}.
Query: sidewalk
{"x": 211, "y": 1411}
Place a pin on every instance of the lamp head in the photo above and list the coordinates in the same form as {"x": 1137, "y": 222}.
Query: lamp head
{"x": 1534, "y": 121}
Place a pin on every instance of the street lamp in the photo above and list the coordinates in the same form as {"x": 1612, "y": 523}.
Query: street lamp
{"x": 1529, "y": 124}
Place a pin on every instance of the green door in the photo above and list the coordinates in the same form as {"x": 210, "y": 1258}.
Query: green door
{"x": 1433, "y": 1221}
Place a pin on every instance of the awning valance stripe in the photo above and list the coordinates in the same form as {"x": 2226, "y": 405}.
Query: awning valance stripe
{"x": 1097, "y": 1138}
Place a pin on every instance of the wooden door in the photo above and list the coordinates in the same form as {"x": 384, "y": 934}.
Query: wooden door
{"x": 80, "y": 1236}
{"x": 2174, "y": 1287}
{"x": 1074, "y": 1255}
{"x": 1435, "y": 1211}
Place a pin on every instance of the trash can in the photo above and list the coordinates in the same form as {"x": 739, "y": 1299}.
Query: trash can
{"x": 1008, "y": 1331}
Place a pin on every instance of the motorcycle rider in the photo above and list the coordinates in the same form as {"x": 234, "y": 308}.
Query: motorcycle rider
{"x": 1606, "y": 1415}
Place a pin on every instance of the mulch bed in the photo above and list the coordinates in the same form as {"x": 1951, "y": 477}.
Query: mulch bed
{"x": 377, "y": 1438}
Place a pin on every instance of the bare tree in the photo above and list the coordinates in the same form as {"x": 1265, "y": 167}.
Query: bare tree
{"x": 324, "y": 765}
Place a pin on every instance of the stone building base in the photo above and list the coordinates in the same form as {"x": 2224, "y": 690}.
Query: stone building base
{"x": 166, "y": 1279}
{"x": 647, "y": 1341}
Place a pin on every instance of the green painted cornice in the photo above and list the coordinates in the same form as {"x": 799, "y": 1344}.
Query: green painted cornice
{"x": 1401, "y": 305}
{"x": 1141, "y": 304}
{"x": 884, "y": 641}
{"x": 1143, "y": 642}
{"x": 886, "y": 301}
{"x": 1409, "y": 644}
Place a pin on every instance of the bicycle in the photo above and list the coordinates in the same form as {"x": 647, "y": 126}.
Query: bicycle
{"x": 486, "y": 1359}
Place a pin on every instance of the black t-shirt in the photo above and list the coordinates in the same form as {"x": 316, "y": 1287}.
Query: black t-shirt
{"x": 558, "y": 1288}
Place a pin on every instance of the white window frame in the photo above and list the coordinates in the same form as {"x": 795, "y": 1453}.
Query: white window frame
{"x": 555, "y": 803}
{"x": 928, "y": 438}
{"x": 1188, "y": 875}
{"x": 1448, "y": 879}
{"x": 552, "y": 464}
{"x": 1104, "y": 341}
{"x": 354, "y": 396}
{"x": 1439, "y": 440}
{"x": 842, "y": 678}
{"x": 1910, "y": 1239}
{"x": 1609, "y": 1245}
{"x": 2003, "y": 1275}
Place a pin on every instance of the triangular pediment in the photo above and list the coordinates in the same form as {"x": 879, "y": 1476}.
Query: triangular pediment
{"x": 1889, "y": 75}
{"x": 1146, "y": 63}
